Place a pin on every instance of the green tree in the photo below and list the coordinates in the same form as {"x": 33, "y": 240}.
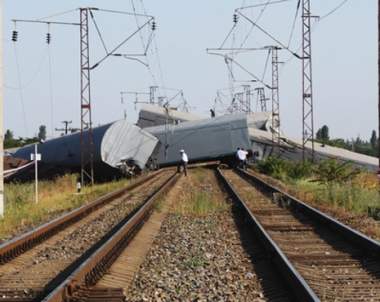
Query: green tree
{"x": 325, "y": 132}
{"x": 42, "y": 133}
{"x": 8, "y": 135}
{"x": 373, "y": 140}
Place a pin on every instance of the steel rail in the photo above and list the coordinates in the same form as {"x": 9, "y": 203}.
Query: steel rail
{"x": 299, "y": 286}
{"x": 92, "y": 269}
{"x": 349, "y": 233}
{"x": 19, "y": 245}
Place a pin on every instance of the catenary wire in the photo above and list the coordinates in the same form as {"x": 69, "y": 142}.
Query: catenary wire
{"x": 33, "y": 77}
{"x": 314, "y": 26}
{"x": 137, "y": 23}
{"x": 333, "y": 11}
{"x": 98, "y": 31}
{"x": 153, "y": 40}
{"x": 294, "y": 22}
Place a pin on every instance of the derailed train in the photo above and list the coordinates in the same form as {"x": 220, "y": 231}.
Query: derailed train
{"x": 160, "y": 133}
{"x": 259, "y": 141}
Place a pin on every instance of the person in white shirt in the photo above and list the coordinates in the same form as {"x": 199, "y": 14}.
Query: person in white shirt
{"x": 183, "y": 162}
{"x": 242, "y": 154}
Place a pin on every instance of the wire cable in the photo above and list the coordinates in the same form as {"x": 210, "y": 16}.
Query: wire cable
{"x": 314, "y": 26}
{"x": 59, "y": 14}
{"x": 333, "y": 11}
{"x": 266, "y": 64}
{"x": 294, "y": 23}
{"x": 138, "y": 24}
{"x": 33, "y": 77}
{"x": 253, "y": 26}
{"x": 152, "y": 41}
{"x": 97, "y": 29}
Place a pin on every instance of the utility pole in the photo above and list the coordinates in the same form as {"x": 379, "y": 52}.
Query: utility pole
{"x": 66, "y": 129}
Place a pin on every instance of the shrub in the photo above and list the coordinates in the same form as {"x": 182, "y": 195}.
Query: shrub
{"x": 300, "y": 169}
{"x": 334, "y": 170}
{"x": 272, "y": 166}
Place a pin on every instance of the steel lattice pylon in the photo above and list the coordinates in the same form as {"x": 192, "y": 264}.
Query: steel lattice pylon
{"x": 261, "y": 95}
{"x": 246, "y": 105}
{"x": 87, "y": 171}
{"x": 151, "y": 94}
{"x": 276, "y": 130}
{"x": 307, "y": 104}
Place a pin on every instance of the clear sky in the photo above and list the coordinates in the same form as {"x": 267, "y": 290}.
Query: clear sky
{"x": 42, "y": 82}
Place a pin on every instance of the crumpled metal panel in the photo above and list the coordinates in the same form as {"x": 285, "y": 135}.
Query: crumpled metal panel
{"x": 124, "y": 141}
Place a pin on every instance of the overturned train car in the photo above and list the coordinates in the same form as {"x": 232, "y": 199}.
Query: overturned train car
{"x": 259, "y": 133}
{"x": 118, "y": 148}
{"x": 203, "y": 140}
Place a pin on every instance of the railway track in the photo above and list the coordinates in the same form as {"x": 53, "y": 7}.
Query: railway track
{"x": 33, "y": 265}
{"x": 297, "y": 253}
{"x": 335, "y": 262}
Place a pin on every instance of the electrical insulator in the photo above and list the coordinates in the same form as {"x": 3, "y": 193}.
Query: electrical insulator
{"x": 153, "y": 25}
{"x": 235, "y": 18}
{"x": 48, "y": 38}
{"x": 14, "y": 35}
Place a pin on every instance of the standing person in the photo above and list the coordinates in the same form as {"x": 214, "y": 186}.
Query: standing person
{"x": 242, "y": 153}
{"x": 79, "y": 186}
{"x": 183, "y": 162}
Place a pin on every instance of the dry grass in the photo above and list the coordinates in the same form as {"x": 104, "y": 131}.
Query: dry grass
{"x": 54, "y": 199}
{"x": 350, "y": 202}
{"x": 199, "y": 196}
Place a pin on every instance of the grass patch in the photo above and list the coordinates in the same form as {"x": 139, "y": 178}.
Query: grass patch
{"x": 159, "y": 204}
{"x": 54, "y": 199}
{"x": 198, "y": 203}
{"x": 359, "y": 196}
{"x": 327, "y": 183}
{"x": 200, "y": 198}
